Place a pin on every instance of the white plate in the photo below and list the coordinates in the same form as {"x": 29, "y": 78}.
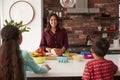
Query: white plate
{"x": 67, "y": 3}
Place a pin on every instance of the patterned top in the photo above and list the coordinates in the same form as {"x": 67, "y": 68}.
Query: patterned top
{"x": 101, "y": 69}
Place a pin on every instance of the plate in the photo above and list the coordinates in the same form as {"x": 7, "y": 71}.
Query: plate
{"x": 67, "y": 3}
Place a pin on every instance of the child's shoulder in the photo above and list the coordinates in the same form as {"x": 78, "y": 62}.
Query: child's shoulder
{"x": 24, "y": 53}
{"x": 91, "y": 62}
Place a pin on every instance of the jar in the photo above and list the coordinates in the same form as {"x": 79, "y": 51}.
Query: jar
{"x": 105, "y": 29}
{"x": 112, "y": 28}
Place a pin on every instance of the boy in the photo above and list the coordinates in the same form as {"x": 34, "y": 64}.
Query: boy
{"x": 99, "y": 68}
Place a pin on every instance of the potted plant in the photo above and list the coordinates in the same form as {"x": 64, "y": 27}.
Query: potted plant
{"x": 19, "y": 25}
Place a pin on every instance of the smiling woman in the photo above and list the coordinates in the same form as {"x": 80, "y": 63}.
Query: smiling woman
{"x": 18, "y": 12}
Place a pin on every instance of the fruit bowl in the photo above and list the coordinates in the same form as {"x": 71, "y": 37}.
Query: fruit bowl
{"x": 39, "y": 60}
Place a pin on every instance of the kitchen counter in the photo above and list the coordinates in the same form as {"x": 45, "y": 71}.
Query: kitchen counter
{"x": 112, "y": 47}
{"x": 72, "y": 68}
{"x": 114, "y": 50}
{"x": 78, "y": 48}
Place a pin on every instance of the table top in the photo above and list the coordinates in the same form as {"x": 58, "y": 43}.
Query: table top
{"x": 72, "y": 68}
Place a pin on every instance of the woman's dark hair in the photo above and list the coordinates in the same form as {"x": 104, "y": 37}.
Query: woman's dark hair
{"x": 48, "y": 21}
{"x": 100, "y": 46}
{"x": 11, "y": 63}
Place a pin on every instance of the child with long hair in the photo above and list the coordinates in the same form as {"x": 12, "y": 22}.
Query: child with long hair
{"x": 13, "y": 61}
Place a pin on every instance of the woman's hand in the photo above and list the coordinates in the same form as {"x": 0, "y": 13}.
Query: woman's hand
{"x": 63, "y": 49}
{"x": 60, "y": 50}
{"x": 48, "y": 49}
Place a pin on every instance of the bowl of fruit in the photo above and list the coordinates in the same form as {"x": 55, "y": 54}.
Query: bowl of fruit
{"x": 39, "y": 60}
{"x": 38, "y": 56}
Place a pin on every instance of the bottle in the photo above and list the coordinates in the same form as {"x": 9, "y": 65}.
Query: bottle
{"x": 99, "y": 28}
{"x": 105, "y": 29}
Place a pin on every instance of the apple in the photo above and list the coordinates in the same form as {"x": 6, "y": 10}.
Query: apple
{"x": 112, "y": 28}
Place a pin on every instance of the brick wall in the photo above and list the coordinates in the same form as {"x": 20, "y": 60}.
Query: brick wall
{"x": 78, "y": 27}
{"x": 81, "y": 25}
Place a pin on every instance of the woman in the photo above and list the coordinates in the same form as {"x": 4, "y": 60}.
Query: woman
{"x": 12, "y": 64}
{"x": 54, "y": 36}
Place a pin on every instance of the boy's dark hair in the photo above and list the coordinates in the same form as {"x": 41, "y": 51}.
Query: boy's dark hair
{"x": 100, "y": 46}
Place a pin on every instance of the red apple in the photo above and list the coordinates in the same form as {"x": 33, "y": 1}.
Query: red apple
{"x": 112, "y": 28}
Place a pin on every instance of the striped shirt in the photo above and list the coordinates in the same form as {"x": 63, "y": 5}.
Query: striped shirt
{"x": 101, "y": 69}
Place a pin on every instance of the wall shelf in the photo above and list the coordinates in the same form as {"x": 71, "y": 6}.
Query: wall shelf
{"x": 106, "y": 31}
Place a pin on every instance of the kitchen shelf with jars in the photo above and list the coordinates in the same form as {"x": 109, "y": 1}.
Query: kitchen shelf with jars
{"x": 108, "y": 24}
{"x": 108, "y": 17}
